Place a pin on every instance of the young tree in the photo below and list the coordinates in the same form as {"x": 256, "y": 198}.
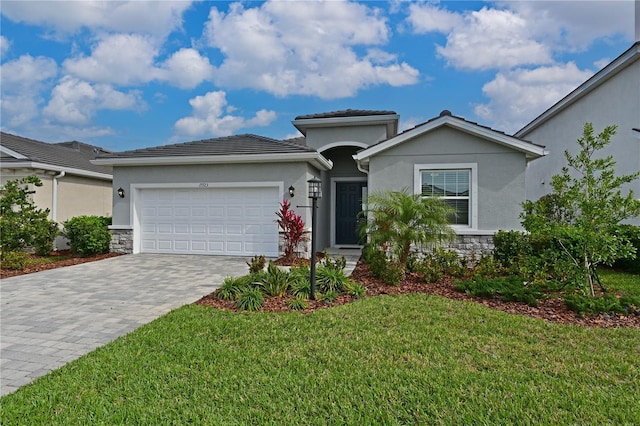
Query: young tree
{"x": 398, "y": 220}
{"x": 586, "y": 206}
{"x": 22, "y": 224}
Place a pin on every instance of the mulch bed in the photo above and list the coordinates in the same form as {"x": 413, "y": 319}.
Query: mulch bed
{"x": 551, "y": 310}
{"x": 73, "y": 260}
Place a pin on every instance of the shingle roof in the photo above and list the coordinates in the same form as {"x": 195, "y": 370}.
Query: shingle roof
{"x": 345, "y": 113}
{"x": 230, "y": 145}
{"x": 75, "y": 155}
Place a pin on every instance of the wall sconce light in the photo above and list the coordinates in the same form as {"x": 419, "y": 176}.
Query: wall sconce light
{"x": 120, "y": 192}
{"x": 292, "y": 191}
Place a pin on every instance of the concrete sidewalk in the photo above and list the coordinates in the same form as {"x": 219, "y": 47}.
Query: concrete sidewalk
{"x": 50, "y": 318}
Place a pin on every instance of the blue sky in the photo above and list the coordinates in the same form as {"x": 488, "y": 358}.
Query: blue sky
{"x": 127, "y": 75}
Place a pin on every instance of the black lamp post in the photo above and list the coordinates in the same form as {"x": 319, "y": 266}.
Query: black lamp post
{"x": 315, "y": 193}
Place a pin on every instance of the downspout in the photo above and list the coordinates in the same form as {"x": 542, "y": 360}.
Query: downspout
{"x": 359, "y": 166}
{"x": 54, "y": 206}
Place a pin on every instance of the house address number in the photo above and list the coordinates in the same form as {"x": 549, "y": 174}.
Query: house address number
{"x": 203, "y": 185}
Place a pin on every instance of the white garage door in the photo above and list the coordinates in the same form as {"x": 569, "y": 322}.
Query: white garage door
{"x": 223, "y": 221}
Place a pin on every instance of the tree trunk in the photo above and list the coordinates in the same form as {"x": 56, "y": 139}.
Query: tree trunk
{"x": 587, "y": 271}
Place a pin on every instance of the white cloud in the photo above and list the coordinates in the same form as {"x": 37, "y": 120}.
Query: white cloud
{"x": 123, "y": 59}
{"x": 130, "y": 59}
{"x": 22, "y": 82}
{"x": 75, "y": 102}
{"x": 304, "y": 48}
{"x": 187, "y": 69}
{"x": 427, "y": 17}
{"x": 4, "y": 45}
{"x": 208, "y": 117}
{"x": 158, "y": 18}
{"x": 518, "y": 96}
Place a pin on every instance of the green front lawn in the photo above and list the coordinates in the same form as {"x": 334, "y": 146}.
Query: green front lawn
{"x": 621, "y": 282}
{"x": 413, "y": 359}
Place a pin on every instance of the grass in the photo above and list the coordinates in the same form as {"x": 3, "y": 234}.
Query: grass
{"x": 412, "y": 359}
{"x": 46, "y": 259}
{"x": 623, "y": 282}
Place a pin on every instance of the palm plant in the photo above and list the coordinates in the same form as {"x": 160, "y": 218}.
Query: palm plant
{"x": 397, "y": 220}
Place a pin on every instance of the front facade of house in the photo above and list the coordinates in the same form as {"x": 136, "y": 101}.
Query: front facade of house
{"x": 71, "y": 185}
{"x": 219, "y": 196}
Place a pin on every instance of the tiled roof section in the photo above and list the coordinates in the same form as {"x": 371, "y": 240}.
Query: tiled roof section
{"x": 76, "y": 155}
{"x": 299, "y": 140}
{"x": 448, "y": 113}
{"x": 345, "y": 113}
{"x": 230, "y": 145}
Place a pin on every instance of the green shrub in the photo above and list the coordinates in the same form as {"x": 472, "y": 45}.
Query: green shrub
{"x": 231, "y": 288}
{"x": 414, "y": 264}
{"x": 393, "y": 274}
{"x": 487, "y": 267}
{"x": 447, "y": 261}
{"x": 15, "y": 260}
{"x": 510, "y": 247}
{"x": 431, "y": 271}
{"x": 88, "y": 235}
{"x": 376, "y": 259}
{"x": 44, "y": 233}
{"x": 298, "y": 304}
{"x": 251, "y": 299}
{"x": 256, "y": 264}
{"x": 301, "y": 288}
{"x": 632, "y": 234}
{"x": 337, "y": 262}
{"x": 299, "y": 284}
{"x": 606, "y": 304}
{"x": 355, "y": 289}
{"x": 510, "y": 289}
{"x": 275, "y": 282}
{"x": 330, "y": 296}
{"x": 329, "y": 278}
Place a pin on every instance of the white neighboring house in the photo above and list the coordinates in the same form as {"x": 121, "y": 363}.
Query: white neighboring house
{"x": 71, "y": 185}
{"x": 611, "y": 96}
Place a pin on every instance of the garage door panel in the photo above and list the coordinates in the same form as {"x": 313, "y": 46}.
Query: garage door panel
{"x": 223, "y": 221}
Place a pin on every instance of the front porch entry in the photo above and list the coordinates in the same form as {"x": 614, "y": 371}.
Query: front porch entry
{"x": 350, "y": 196}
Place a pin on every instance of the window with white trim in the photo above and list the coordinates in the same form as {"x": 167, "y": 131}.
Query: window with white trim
{"x": 454, "y": 187}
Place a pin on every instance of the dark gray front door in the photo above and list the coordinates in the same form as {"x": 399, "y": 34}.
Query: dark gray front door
{"x": 348, "y": 206}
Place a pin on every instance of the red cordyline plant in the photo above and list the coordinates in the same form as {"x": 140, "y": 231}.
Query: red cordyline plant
{"x": 293, "y": 227}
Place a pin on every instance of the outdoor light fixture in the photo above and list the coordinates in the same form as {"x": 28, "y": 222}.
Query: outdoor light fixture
{"x": 315, "y": 192}
{"x": 120, "y": 192}
{"x": 292, "y": 191}
{"x": 315, "y": 188}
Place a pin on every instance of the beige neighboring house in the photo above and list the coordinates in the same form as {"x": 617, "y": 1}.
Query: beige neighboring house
{"x": 71, "y": 185}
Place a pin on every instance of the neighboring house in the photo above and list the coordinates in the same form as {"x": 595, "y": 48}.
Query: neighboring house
{"x": 219, "y": 196}
{"x": 611, "y": 96}
{"x": 71, "y": 185}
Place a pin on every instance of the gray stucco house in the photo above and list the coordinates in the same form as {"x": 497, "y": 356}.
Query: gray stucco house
{"x": 611, "y": 96}
{"x": 219, "y": 196}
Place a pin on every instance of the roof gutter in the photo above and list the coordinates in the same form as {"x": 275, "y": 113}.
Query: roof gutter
{"x": 315, "y": 158}
{"x": 54, "y": 202}
{"x": 43, "y": 166}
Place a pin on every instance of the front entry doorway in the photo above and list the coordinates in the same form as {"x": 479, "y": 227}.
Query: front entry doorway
{"x": 349, "y": 200}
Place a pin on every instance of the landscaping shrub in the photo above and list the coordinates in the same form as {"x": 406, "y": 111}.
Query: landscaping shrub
{"x": 510, "y": 247}
{"x": 251, "y": 299}
{"x": 376, "y": 259}
{"x": 630, "y": 263}
{"x": 16, "y": 260}
{"x": 88, "y": 235}
{"x": 256, "y": 264}
{"x": 293, "y": 227}
{"x": 355, "y": 289}
{"x": 487, "y": 266}
{"x": 22, "y": 224}
{"x": 337, "y": 263}
{"x": 231, "y": 288}
{"x": 330, "y": 296}
{"x": 511, "y": 289}
{"x": 275, "y": 282}
{"x": 606, "y": 304}
{"x": 331, "y": 279}
{"x": 448, "y": 262}
{"x": 44, "y": 234}
{"x": 393, "y": 273}
{"x": 298, "y": 304}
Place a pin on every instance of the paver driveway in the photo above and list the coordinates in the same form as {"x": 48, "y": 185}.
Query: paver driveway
{"x": 52, "y": 317}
